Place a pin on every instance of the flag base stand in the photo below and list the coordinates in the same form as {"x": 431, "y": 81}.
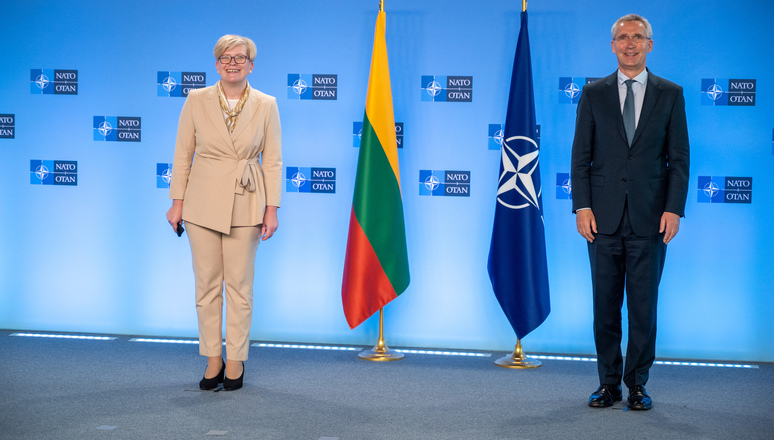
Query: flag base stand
{"x": 380, "y": 352}
{"x": 518, "y": 359}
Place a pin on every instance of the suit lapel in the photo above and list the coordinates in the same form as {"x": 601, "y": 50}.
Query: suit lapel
{"x": 215, "y": 113}
{"x": 614, "y": 102}
{"x": 652, "y": 93}
{"x": 246, "y": 116}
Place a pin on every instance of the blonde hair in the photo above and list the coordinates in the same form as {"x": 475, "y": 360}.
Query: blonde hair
{"x": 227, "y": 42}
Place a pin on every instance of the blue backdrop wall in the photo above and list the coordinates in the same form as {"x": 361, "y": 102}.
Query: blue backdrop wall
{"x": 99, "y": 256}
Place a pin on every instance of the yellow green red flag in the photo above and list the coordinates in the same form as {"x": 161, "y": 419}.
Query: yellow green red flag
{"x": 376, "y": 264}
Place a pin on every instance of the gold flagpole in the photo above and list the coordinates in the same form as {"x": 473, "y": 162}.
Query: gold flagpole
{"x": 518, "y": 359}
{"x": 381, "y": 352}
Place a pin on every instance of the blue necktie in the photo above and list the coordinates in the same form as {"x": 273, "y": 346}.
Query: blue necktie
{"x": 628, "y": 111}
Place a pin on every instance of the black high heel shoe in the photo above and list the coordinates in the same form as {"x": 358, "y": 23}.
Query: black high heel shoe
{"x": 212, "y": 383}
{"x": 234, "y": 384}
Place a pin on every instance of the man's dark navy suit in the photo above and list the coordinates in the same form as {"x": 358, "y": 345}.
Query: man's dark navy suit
{"x": 628, "y": 190}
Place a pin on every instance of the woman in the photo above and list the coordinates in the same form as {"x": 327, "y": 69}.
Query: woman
{"x": 228, "y": 200}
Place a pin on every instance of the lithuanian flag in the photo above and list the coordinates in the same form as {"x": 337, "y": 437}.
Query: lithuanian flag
{"x": 376, "y": 265}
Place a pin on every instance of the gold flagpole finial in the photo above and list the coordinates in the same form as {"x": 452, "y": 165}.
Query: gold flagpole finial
{"x": 523, "y": 5}
{"x": 381, "y": 5}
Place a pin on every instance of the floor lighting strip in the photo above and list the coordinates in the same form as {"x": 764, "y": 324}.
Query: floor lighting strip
{"x": 562, "y": 358}
{"x": 166, "y": 341}
{"x": 399, "y": 350}
{"x": 50, "y": 335}
{"x": 442, "y": 353}
{"x": 704, "y": 364}
{"x": 680, "y": 363}
{"x": 307, "y": 347}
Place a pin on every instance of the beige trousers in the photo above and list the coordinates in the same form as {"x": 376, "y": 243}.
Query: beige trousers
{"x": 218, "y": 257}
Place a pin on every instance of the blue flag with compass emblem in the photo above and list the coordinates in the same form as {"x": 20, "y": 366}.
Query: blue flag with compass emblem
{"x": 517, "y": 255}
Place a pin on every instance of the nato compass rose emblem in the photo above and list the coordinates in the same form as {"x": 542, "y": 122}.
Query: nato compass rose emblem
{"x": 567, "y": 186}
{"x": 711, "y": 189}
{"x": 498, "y": 137}
{"x": 431, "y": 183}
{"x": 169, "y": 84}
{"x": 298, "y": 179}
{"x": 714, "y": 92}
{"x": 41, "y": 172}
{"x": 166, "y": 176}
{"x": 572, "y": 90}
{"x": 433, "y": 89}
{"x": 42, "y": 81}
{"x": 299, "y": 86}
{"x": 105, "y": 128}
{"x": 519, "y": 185}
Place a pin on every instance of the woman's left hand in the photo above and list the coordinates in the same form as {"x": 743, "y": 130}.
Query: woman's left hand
{"x": 270, "y": 222}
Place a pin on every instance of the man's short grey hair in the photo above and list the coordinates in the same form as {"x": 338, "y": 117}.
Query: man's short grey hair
{"x": 632, "y": 17}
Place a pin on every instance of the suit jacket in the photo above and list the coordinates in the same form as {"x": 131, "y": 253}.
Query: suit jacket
{"x": 652, "y": 174}
{"x": 225, "y": 184}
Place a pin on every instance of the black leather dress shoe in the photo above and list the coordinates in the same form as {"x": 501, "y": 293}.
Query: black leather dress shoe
{"x": 212, "y": 383}
{"x": 234, "y": 384}
{"x": 639, "y": 399}
{"x": 605, "y": 396}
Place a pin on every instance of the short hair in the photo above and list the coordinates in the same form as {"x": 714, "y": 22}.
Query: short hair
{"x": 227, "y": 42}
{"x": 632, "y": 17}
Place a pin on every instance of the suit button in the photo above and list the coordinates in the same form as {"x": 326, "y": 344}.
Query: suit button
{"x": 630, "y": 158}
{"x": 623, "y": 180}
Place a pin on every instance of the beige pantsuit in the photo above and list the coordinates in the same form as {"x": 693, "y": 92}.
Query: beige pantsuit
{"x": 218, "y": 257}
{"x": 226, "y": 180}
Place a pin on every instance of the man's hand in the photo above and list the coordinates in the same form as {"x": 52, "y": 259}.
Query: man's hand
{"x": 587, "y": 224}
{"x": 670, "y": 224}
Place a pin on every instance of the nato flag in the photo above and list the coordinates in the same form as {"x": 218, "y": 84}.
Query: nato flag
{"x": 517, "y": 256}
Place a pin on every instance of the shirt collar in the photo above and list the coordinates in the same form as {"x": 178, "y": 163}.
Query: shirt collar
{"x": 642, "y": 78}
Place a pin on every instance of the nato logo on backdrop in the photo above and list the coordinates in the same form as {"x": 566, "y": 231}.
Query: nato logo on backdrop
{"x": 163, "y": 175}
{"x": 53, "y": 82}
{"x": 179, "y": 83}
{"x": 117, "y": 128}
{"x": 570, "y": 88}
{"x": 310, "y": 180}
{"x": 719, "y": 189}
{"x": 357, "y": 133}
{"x": 495, "y": 137}
{"x": 54, "y": 172}
{"x": 731, "y": 92}
{"x": 444, "y": 183}
{"x": 312, "y": 86}
{"x": 7, "y": 126}
{"x": 496, "y": 132}
{"x": 438, "y": 88}
{"x": 563, "y": 186}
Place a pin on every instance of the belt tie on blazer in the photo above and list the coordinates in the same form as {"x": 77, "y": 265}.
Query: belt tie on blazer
{"x": 248, "y": 169}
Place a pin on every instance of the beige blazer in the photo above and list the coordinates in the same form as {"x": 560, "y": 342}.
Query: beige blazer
{"x": 232, "y": 177}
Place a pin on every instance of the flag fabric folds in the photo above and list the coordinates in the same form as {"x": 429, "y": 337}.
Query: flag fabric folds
{"x": 517, "y": 255}
{"x": 376, "y": 264}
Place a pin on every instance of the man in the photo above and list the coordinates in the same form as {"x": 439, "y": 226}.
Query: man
{"x": 630, "y": 182}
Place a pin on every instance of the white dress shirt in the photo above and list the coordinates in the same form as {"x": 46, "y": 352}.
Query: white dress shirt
{"x": 638, "y": 88}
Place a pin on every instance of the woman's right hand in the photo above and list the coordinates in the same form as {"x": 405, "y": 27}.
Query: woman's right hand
{"x": 175, "y": 213}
